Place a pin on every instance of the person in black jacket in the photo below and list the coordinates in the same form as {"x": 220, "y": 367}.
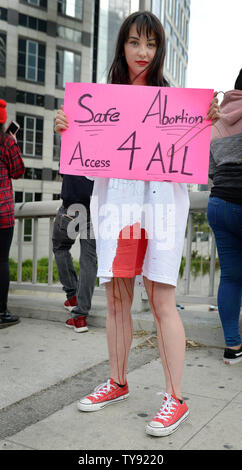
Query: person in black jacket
{"x": 73, "y": 218}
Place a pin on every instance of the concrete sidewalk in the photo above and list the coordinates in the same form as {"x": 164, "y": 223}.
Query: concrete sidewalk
{"x": 45, "y": 368}
{"x": 200, "y": 324}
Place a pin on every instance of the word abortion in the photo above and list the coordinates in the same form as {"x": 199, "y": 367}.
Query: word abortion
{"x": 163, "y": 116}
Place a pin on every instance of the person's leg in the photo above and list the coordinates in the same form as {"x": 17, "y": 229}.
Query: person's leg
{"x": 119, "y": 292}
{"x": 229, "y": 304}
{"x": 170, "y": 333}
{"x": 88, "y": 271}
{"x": 119, "y": 325}
{"x": 6, "y": 236}
{"x": 225, "y": 220}
{"x": 6, "y": 318}
{"x": 171, "y": 342}
{"x": 127, "y": 263}
{"x": 87, "y": 277}
{"x": 61, "y": 248}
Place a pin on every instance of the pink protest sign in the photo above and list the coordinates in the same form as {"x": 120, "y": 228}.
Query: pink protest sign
{"x": 136, "y": 132}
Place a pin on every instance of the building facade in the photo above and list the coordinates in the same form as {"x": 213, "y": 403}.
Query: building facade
{"x": 43, "y": 45}
{"x": 175, "y": 17}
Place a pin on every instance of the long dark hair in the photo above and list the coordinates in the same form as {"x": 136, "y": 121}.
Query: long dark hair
{"x": 145, "y": 23}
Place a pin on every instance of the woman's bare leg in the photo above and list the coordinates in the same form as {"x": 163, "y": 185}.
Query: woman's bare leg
{"x": 119, "y": 293}
{"x": 170, "y": 333}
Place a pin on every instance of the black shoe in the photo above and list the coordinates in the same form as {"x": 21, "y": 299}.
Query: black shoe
{"x": 7, "y": 319}
{"x": 232, "y": 356}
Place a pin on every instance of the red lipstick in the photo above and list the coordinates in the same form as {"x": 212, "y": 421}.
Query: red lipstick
{"x": 142, "y": 63}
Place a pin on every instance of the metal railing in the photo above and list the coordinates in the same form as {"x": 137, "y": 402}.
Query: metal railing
{"x": 198, "y": 203}
{"x": 35, "y": 211}
{"x": 48, "y": 209}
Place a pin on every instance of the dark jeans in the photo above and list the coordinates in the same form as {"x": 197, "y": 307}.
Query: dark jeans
{"x": 6, "y": 236}
{"x": 225, "y": 219}
{"x": 64, "y": 236}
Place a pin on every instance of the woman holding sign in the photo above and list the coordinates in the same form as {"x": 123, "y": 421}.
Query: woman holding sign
{"x": 147, "y": 240}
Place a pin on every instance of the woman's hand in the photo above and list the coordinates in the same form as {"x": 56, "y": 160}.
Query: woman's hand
{"x": 13, "y": 136}
{"x": 214, "y": 110}
{"x": 61, "y": 122}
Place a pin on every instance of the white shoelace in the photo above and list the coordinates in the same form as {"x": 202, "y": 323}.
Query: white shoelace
{"x": 168, "y": 407}
{"x": 102, "y": 389}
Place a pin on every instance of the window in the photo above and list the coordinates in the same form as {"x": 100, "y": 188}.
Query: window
{"x": 56, "y": 176}
{"x": 3, "y": 92}
{"x": 36, "y": 3}
{"x": 182, "y": 24}
{"x": 56, "y": 146}
{"x": 185, "y": 76}
{"x": 33, "y": 174}
{"x": 3, "y": 14}
{"x": 187, "y": 34}
{"x": 168, "y": 27}
{"x": 170, "y": 8}
{"x": 68, "y": 33}
{"x": 168, "y": 54}
{"x": 32, "y": 22}
{"x": 2, "y": 54}
{"x": 174, "y": 63}
{"x": 72, "y": 8}
{"x": 30, "y": 135}
{"x": 20, "y": 196}
{"x": 31, "y": 60}
{"x": 177, "y": 11}
{"x": 57, "y": 137}
{"x": 33, "y": 2}
{"x": 58, "y": 102}
{"x": 180, "y": 72}
{"x": 30, "y": 98}
{"x": 68, "y": 67}
{"x": 175, "y": 37}
{"x": 155, "y": 7}
{"x": 181, "y": 49}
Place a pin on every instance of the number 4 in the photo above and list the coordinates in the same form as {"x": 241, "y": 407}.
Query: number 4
{"x": 132, "y": 148}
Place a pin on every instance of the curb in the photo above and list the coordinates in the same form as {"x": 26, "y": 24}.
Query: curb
{"x": 201, "y": 325}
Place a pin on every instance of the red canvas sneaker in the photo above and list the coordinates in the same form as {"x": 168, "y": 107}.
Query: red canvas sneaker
{"x": 171, "y": 414}
{"x": 70, "y": 303}
{"x": 79, "y": 324}
{"x": 104, "y": 394}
